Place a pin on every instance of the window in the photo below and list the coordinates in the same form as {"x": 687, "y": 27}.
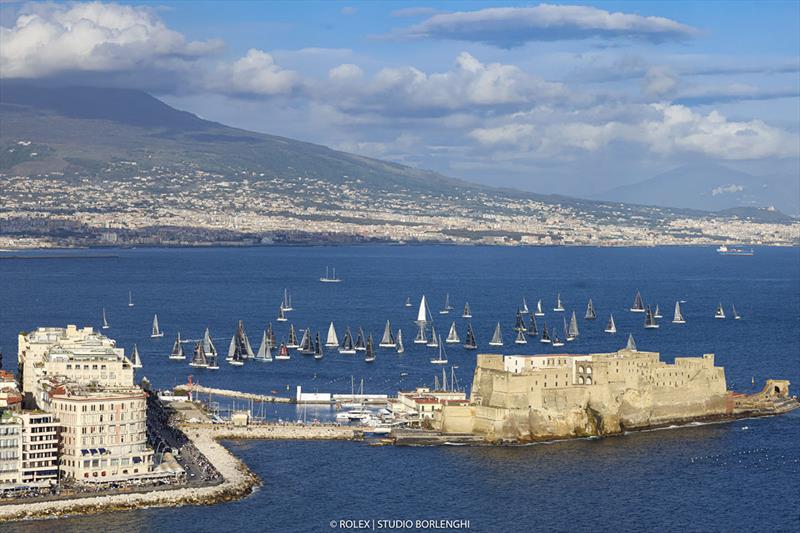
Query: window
{"x": 588, "y": 380}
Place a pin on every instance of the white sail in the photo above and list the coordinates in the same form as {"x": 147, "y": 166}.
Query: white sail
{"x": 130, "y": 299}
{"x": 387, "y": 341}
{"x": 208, "y": 344}
{"x": 177, "y": 349}
{"x": 452, "y": 336}
{"x": 105, "y": 321}
{"x": 446, "y": 309}
{"x": 137, "y": 361}
{"x": 631, "y": 346}
{"x": 611, "y": 327}
{"x": 441, "y": 359}
{"x": 399, "y": 346}
{"x": 156, "y": 332}
{"x": 422, "y": 314}
{"x": 332, "y": 341}
{"x": 678, "y": 318}
{"x": 720, "y": 312}
{"x": 521, "y": 337}
{"x": 559, "y": 306}
{"x": 573, "y": 326}
{"x": 421, "y": 337}
{"x": 231, "y": 349}
{"x": 434, "y": 340}
{"x": 467, "y": 311}
{"x": 657, "y": 312}
{"x": 539, "y": 311}
{"x": 264, "y": 353}
{"x": 497, "y": 338}
{"x": 734, "y": 313}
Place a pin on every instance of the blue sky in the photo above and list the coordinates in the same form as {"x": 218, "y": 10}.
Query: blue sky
{"x": 569, "y": 98}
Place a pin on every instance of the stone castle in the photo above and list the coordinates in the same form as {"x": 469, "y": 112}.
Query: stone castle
{"x": 525, "y": 398}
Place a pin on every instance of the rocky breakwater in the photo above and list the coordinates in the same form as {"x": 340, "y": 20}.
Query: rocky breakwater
{"x": 238, "y": 481}
{"x": 278, "y": 431}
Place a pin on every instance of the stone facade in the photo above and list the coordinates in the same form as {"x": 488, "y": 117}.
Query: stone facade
{"x": 567, "y": 395}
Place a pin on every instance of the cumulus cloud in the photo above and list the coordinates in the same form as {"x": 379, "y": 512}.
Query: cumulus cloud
{"x": 514, "y": 26}
{"x": 48, "y": 39}
{"x": 470, "y": 84}
{"x": 664, "y": 129}
{"x": 255, "y": 74}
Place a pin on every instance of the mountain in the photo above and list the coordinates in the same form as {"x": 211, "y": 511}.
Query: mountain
{"x": 80, "y": 129}
{"x": 711, "y": 187}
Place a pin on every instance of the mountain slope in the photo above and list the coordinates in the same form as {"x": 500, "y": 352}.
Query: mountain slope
{"x": 711, "y": 187}
{"x": 81, "y": 128}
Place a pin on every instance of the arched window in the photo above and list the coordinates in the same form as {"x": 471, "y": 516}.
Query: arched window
{"x": 580, "y": 369}
{"x": 588, "y": 370}
{"x": 588, "y": 381}
{"x": 580, "y": 380}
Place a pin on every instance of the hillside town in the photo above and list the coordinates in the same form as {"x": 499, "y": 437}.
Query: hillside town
{"x": 187, "y": 206}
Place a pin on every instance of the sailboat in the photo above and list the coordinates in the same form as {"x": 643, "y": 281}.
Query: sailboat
{"x": 539, "y": 311}
{"x": 556, "y": 341}
{"x": 638, "y": 306}
{"x": 434, "y": 340}
{"x": 590, "y": 312}
{"x": 330, "y": 279}
{"x": 361, "y": 346}
{"x": 105, "y": 321}
{"x": 469, "y": 342}
{"x": 292, "y": 344}
{"x": 177, "y": 349}
{"x": 631, "y": 346}
{"x": 212, "y": 360}
{"x": 611, "y": 327}
{"x": 720, "y": 312}
{"x": 497, "y": 338}
{"x": 567, "y": 336}
{"x": 388, "y": 338}
{"x": 156, "y": 332}
{"x": 287, "y": 301}
{"x": 421, "y": 334}
{"x": 199, "y": 357}
{"x": 524, "y": 306}
{"x": 208, "y": 345}
{"x": 532, "y": 331}
{"x": 441, "y": 359}
{"x": 519, "y": 325}
{"x": 545, "y": 338}
{"x": 137, "y": 361}
{"x": 369, "y": 351}
{"x": 650, "y": 319}
{"x": 734, "y": 313}
{"x": 520, "y": 337}
{"x": 130, "y": 299}
{"x": 283, "y": 352}
{"x": 307, "y": 343}
{"x": 657, "y": 312}
{"x": 271, "y": 336}
{"x": 447, "y": 307}
{"x": 408, "y": 302}
{"x": 234, "y": 357}
{"x": 264, "y": 353}
{"x": 467, "y": 311}
{"x": 399, "y": 346}
{"x": 281, "y": 315}
{"x": 452, "y": 336}
{"x": 243, "y": 343}
{"x": 422, "y": 313}
{"x": 559, "y": 306}
{"x": 573, "y": 327}
{"x": 678, "y": 318}
{"x": 318, "y": 347}
{"x": 332, "y": 341}
{"x": 347, "y": 347}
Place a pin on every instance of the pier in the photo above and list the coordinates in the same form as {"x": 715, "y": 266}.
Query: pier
{"x": 193, "y": 388}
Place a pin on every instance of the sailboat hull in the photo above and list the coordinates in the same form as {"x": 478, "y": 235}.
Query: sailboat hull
{"x": 388, "y": 345}
{"x": 495, "y": 344}
{"x": 610, "y": 330}
{"x": 347, "y": 352}
{"x": 156, "y": 336}
{"x": 439, "y": 361}
{"x": 176, "y": 358}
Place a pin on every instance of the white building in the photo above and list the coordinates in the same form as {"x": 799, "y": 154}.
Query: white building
{"x": 10, "y": 450}
{"x": 39, "y": 448}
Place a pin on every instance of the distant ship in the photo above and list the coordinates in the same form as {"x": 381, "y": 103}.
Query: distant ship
{"x": 369, "y": 351}
{"x": 332, "y": 341}
{"x": 590, "y": 312}
{"x": 611, "y": 327}
{"x": 199, "y": 357}
{"x": 330, "y": 279}
{"x": 678, "y": 319}
{"x": 452, "y": 336}
{"x": 497, "y": 338}
{"x": 156, "y": 332}
{"x": 638, "y": 306}
{"x": 733, "y": 250}
{"x": 347, "y": 347}
{"x": 388, "y": 340}
{"x": 650, "y": 319}
{"x": 469, "y": 343}
{"x": 177, "y": 349}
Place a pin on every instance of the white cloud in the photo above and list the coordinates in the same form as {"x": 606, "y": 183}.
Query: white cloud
{"x": 51, "y": 38}
{"x": 664, "y": 129}
{"x": 726, "y": 189}
{"x": 660, "y": 81}
{"x": 513, "y": 26}
{"x": 255, "y": 74}
{"x": 409, "y": 90}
